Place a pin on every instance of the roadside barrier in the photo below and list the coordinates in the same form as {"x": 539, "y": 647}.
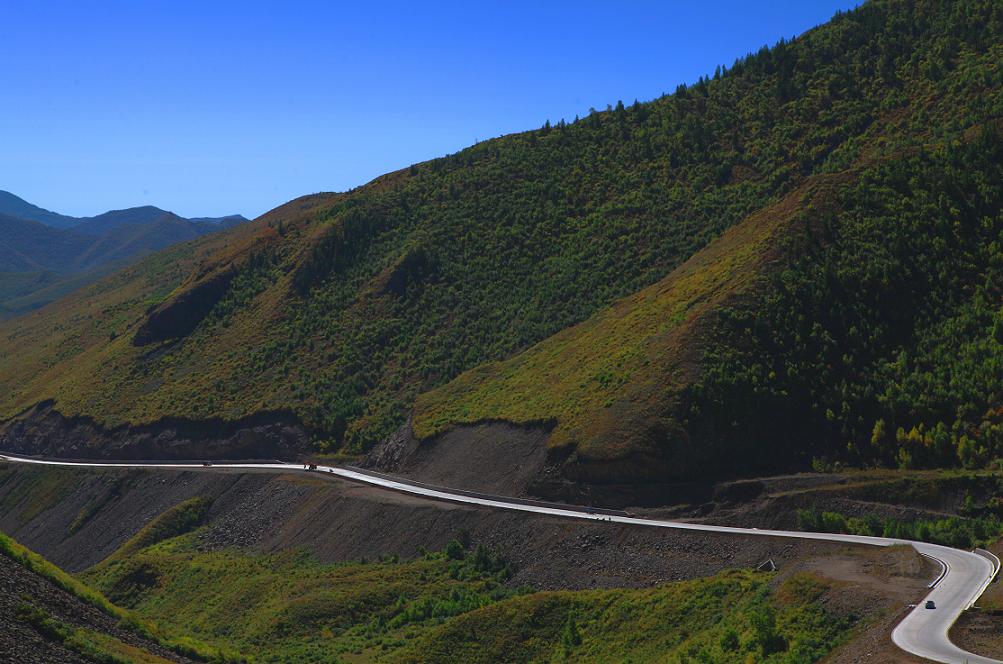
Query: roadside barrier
{"x": 488, "y": 496}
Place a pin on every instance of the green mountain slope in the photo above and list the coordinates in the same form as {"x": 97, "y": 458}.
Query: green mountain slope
{"x": 49, "y": 615}
{"x": 858, "y": 320}
{"x": 342, "y": 310}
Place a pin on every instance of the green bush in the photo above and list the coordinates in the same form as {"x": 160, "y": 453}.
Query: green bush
{"x": 958, "y": 532}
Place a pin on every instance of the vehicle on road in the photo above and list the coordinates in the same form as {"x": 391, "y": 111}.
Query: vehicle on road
{"x": 930, "y": 604}
{"x": 207, "y": 464}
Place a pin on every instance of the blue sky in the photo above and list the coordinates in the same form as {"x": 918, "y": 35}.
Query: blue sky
{"x": 209, "y": 108}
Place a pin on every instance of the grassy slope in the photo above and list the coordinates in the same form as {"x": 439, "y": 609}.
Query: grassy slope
{"x": 93, "y": 644}
{"x": 61, "y": 351}
{"x": 734, "y": 616}
{"x": 604, "y": 382}
{"x": 287, "y": 607}
{"x": 345, "y": 311}
{"x": 785, "y": 338}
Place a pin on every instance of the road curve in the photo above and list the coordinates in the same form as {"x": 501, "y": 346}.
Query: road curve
{"x": 923, "y": 632}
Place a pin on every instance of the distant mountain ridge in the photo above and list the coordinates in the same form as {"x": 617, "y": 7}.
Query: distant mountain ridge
{"x": 14, "y": 206}
{"x": 44, "y": 254}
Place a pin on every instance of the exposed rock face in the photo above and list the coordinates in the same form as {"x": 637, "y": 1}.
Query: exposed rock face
{"x": 44, "y": 431}
{"x": 492, "y": 457}
{"x": 392, "y": 451}
{"x": 514, "y": 460}
{"x": 77, "y": 517}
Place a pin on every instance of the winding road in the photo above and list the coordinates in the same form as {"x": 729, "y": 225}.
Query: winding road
{"x": 923, "y": 632}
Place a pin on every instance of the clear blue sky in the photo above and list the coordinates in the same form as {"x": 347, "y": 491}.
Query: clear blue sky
{"x": 209, "y": 108}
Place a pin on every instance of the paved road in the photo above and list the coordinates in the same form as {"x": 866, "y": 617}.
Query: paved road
{"x": 922, "y": 632}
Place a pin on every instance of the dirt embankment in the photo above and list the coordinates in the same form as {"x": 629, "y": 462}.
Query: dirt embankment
{"x": 76, "y": 518}
{"x": 514, "y": 460}
{"x": 26, "y": 641}
{"x": 493, "y": 457}
{"x": 44, "y": 431}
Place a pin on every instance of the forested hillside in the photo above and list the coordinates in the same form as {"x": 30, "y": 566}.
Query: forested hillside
{"x": 811, "y": 238}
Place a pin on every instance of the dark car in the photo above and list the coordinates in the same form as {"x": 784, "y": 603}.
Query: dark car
{"x": 207, "y": 464}
{"x": 930, "y": 604}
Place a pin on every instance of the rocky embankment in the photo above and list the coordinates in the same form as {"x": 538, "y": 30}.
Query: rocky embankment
{"x": 35, "y": 613}
{"x": 514, "y": 460}
{"x": 492, "y": 457}
{"x": 76, "y": 518}
{"x": 43, "y": 430}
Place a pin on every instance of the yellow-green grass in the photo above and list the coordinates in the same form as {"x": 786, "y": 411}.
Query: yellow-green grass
{"x": 90, "y": 644}
{"x": 731, "y": 617}
{"x": 289, "y": 607}
{"x": 606, "y": 383}
{"x": 182, "y": 518}
{"x": 39, "y": 565}
{"x": 42, "y": 567}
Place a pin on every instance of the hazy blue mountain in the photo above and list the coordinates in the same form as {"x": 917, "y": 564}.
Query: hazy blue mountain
{"x": 15, "y": 206}
{"x": 44, "y": 255}
{"x": 31, "y": 246}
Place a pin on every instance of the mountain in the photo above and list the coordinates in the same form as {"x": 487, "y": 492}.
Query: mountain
{"x": 105, "y": 223}
{"x": 30, "y": 246}
{"x": 228, "y": 221}
{"x": 114, "y": 219}
{"x": 57, "y": 254}
{"x": 13, "y": 206}
{"x": 792, "y": 263}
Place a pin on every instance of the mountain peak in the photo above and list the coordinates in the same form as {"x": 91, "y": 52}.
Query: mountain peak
{"x": 15, "y": 206}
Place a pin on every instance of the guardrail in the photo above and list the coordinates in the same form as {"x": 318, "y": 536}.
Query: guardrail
{"x": 994, "y": 559}
{"x": 488, "y": 496}
{"x": 995, "y": 562}
{"x": 944, "y": 569}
